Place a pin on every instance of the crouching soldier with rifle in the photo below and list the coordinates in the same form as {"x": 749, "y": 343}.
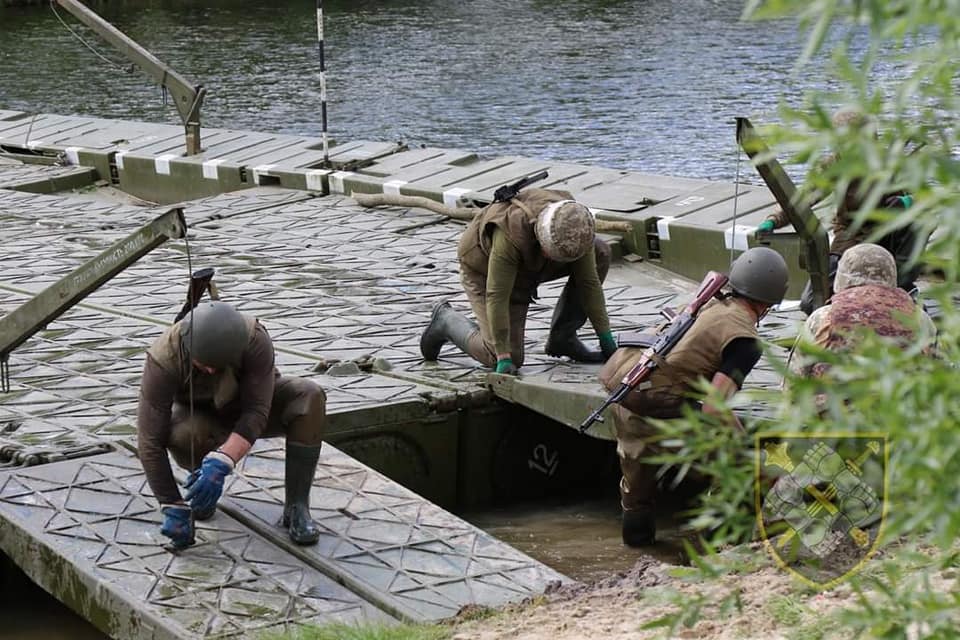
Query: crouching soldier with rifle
{"x": 209, "y": 391}
{"x": 715, "y": 338}
{"x": 522, "y": 239}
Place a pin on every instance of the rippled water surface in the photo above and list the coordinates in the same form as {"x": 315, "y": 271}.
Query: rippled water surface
{"x": 648, "y": 85}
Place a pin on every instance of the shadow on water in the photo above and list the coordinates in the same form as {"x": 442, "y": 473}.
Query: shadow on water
{"x": 27, "y": 612}
{"x": 580, "y": 540}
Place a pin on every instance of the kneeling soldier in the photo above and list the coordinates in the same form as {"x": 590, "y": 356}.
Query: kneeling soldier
{"x": 221, "y": 362}
{"x": 506, "y": 251}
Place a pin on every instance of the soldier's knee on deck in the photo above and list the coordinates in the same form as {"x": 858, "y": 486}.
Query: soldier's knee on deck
{"x": 306, "y": 424}
{"x": 192, "y": 437}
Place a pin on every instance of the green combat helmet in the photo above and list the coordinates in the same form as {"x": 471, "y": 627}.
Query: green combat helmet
{"x": 866, "y": 264}
{"x": 215, "y": 334}
{"x": 760, "y": 274}
{"x": 565, "y": 230}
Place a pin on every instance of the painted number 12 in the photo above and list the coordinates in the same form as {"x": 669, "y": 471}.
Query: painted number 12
{"x": 544, "y": 462}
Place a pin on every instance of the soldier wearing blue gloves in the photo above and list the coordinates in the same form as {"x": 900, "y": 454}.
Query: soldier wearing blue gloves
{"x": 209, "y": 390}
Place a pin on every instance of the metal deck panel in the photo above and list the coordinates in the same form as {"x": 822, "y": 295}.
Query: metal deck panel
{"x": 93, "y": 522}
{"x": 38, "y": 178}
{"x": 414, "y": 158}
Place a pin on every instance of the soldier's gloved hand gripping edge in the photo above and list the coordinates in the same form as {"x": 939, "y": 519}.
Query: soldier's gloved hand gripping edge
{"x": 178, "y": 526}
{"x": 207, "y": 487}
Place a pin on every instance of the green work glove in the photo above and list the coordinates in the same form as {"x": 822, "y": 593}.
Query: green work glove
{"x": 607, "y": 344}
{"x": 765, "y": 227}
{"x": 506, "y": 366}
{"x": 897, "y": 202}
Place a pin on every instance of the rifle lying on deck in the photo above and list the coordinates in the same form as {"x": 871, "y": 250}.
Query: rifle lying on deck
{"x": 666, "y": 340}
{"x": 510, "y": 191}
{"x": 201, "y": 281}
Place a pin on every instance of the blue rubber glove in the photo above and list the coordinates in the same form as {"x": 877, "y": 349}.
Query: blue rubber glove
{"x": 765, "y": 227}
{"x": 607, "y": 344}
{"x": 506, "y": 366}
{"x": 178, "y": 526}
{"x": 204, "y": 492}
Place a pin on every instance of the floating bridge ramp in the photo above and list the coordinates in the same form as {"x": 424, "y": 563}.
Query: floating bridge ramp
{"x": 345, "y": 292}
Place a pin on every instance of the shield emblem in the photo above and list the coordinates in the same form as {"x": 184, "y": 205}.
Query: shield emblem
{"x": 820, "y": 501}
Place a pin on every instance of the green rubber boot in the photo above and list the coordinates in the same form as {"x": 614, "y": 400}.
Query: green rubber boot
{"x": 446, "y": 325}
{"x": 301, "y": 464}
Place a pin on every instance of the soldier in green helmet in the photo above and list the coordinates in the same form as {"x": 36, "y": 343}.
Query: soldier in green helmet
{"x": 209, "y": 390}
{"x": 904, "y": 243}
{"x": 721, "y": 347}
{"x": 506, "y": 251}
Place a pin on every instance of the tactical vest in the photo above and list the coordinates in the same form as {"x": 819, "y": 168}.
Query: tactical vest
{"x": 516, "y": 218}
{"x": 870, "y": 307}
{"x": 699, "y": 354}
{"x": 218, "y": 389}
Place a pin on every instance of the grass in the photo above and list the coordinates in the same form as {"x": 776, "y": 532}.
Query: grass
{"x": 786, "y": 611}
{"x": 365, "y": 631}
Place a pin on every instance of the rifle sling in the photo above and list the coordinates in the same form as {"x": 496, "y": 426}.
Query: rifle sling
{"x": 520, "y": 203}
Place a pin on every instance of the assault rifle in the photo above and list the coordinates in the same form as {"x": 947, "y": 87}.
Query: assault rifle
{"x": 510, "y": 191}
{"x": 666, "y": 340}
{"x": 201, "y": 280}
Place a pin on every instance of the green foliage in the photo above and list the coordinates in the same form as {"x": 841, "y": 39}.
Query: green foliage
{"x": 697, "y": 607}
{"x": 365, "y": 631}
{"x": 911, "y": 398}
{"x": 786, "y": 610}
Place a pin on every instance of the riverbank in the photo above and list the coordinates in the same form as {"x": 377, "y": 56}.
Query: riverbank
{"x": 749, "y": 597}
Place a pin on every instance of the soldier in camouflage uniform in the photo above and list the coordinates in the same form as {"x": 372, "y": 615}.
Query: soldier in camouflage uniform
{"x": 506, "y": 251}
{"x": 866, "y": 297}
{"x": 846, "y": 233}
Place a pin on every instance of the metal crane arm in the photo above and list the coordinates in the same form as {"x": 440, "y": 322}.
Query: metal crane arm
{"x": 187, "y": 98}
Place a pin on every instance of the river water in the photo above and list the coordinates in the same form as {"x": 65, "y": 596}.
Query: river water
{"x": 648, "y": 85}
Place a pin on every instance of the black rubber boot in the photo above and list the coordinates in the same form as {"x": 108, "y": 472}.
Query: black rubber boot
{"x": 567, "y": 318}
{"x": 639, "y": 527}
{"x": 301, "y": 464}
{"x": 446, "y": 325}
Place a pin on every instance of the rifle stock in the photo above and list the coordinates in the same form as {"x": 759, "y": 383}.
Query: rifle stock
{"x": 709, "y": 288}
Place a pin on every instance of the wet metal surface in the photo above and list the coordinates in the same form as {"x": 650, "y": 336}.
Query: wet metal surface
{"x": 329, "y": 280}
{"x": 387, "y": 543}
{"x": 38, "y": 178}
{"x": 88, "y": 532}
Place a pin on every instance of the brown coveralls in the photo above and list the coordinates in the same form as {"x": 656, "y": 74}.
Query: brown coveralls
{"x": 517, "y": 219}
{"x": 697, "y": 355}
{"x": 254, "y": 401}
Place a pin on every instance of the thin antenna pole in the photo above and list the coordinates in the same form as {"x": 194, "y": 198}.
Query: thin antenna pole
{"x": 736, "y": 199}
{"x": 323, "y": 85}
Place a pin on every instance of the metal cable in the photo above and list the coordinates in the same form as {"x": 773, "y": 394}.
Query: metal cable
{"x": 26, "y": 138}
{"x": 76, "y": 35}
{"x": 323, "y": 85}
{"x": 186, "y": 242}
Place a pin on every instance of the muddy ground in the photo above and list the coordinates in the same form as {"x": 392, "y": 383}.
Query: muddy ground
{"x": 772, "y": 604}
